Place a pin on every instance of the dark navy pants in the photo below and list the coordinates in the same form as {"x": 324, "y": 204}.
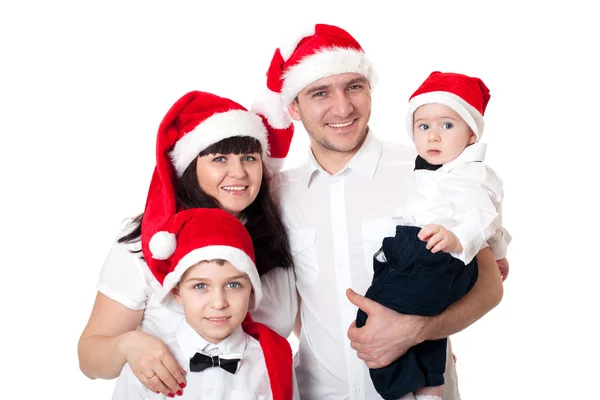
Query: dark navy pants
{"x": 414, "y": 280}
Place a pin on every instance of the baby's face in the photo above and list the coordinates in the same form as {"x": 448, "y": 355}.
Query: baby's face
{"x": 440, "y": 133}
{"x": 215, "y": 297}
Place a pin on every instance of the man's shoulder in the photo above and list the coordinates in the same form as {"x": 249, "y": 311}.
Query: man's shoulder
{"x": 397, "y": 154}
{"x": 289, "y": 177}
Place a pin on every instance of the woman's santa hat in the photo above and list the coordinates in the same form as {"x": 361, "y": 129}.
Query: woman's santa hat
{"x": 196, "y": 121}
{"x": 466, "y": 95}
{"x": 203, "y": 234}
{"x": 326, "y": 50}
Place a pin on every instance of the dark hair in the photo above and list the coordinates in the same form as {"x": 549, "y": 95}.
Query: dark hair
{"x": 262, "y": 217}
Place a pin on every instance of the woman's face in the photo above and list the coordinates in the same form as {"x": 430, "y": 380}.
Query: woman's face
{"x": 232, "y": 179}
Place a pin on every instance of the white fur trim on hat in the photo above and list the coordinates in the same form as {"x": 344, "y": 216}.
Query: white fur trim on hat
{"x": 466, "y": 111}
{"x": 214, "y": 129}
{"x": 238, "y": 258}
{"x": 162, "y": 245}
{"x": 324, "y": 63}
{"x": 269, "y": 105}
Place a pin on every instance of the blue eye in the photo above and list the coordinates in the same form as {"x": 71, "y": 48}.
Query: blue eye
{"x": 249, "y": 158}
{"x": 447, "y": 125}
{"x": 424, "y": 127}
{"x": 319, "y": 94}
{"x": 219, "y": 159}
{"x": 355, "y": 87}
{"x": 234, "y": 285}
{"x": 200, "y": 286}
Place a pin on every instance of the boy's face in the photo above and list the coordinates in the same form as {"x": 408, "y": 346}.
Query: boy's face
{"x": 215, "y": 297}
{"x": 335, "y": 112}
{"x": 440, "y": 133}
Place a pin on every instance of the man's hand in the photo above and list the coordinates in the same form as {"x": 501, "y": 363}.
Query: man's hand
{"x": 503, "y": 266}
{"x": 387, "y": 334}
{"x": 439, "y": 238}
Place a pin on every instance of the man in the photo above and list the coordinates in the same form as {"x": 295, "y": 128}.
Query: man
{"x": 337, "y": 208}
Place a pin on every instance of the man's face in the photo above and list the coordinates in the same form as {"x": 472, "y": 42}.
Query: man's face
{"x": 335, "y": 112}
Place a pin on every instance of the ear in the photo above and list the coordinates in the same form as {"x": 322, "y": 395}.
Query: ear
{"x": 176, "y": 295}
{"x": 294, "y": 110}
{"x": 472, "y": 138}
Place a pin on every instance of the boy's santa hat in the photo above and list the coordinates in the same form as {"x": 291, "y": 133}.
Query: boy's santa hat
{"x": 196, "y": 121}
{"x": 203, "y": 234}
{"x": 324, "y": 51}
{"x": 467, "y": 96}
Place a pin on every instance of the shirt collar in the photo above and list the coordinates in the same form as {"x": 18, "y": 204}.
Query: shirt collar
{"x": 474, "y": 152}
{"x": 191, "y": 342}
{"x": 364, "y": 162}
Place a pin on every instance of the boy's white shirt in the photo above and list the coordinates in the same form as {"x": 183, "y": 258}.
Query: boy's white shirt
{"x": 251, "y": 382}
{"x": 465, "y": 196}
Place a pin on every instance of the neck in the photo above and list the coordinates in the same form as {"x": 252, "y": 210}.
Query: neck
{"x": 333, "y": 161}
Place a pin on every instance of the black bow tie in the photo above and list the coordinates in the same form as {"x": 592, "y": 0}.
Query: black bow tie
{"x": 200, "y": 362}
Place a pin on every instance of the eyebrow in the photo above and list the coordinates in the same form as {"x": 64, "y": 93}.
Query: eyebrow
{"x": 231, "y": 278}
{"x": 324, "y": 87}
{"x": 440, "y": 117}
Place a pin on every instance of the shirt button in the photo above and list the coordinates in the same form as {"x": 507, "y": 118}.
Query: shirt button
{"x": 342, "y": 265}
{"x": 346, "y": 303}
{"x": 357, "y": 391}
{"x": 210, "y": 390}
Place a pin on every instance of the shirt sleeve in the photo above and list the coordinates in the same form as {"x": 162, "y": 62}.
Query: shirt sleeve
{"x": 122, "y": 278}
{"x": 279, "y": 304}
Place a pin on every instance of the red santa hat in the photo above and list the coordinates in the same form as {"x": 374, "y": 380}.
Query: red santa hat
{"x": 324, "y": 51}
{"x": 278, "y": 357}
{"x": 467, "y": 96}
{"x": 196, "y": 121}
{"x": 202, "y": 234}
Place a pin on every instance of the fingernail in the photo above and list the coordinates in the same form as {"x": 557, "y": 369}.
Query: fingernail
{"x": 171, "y": 395}
{"x": 179, "y": 393}
{"x": 182, "y": 385}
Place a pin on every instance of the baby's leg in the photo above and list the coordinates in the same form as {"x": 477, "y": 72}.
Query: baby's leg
{"x": 429, "y": 393}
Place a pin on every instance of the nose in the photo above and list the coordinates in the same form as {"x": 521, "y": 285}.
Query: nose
{"x": 342, "y": 106}
{"x": 236, "y": 169}
{"x": 218, "y": 300}
{"x": 433, "y": 136}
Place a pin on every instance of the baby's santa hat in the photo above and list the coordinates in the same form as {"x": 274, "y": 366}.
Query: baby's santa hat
{"x": 204, "y": 234}
{"x": 466, "y": 95}
{"x": 324, "y": 51}
{"x": 196, "y": 121}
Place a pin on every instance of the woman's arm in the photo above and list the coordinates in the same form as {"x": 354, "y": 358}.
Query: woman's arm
{"x": 111, "y": 339}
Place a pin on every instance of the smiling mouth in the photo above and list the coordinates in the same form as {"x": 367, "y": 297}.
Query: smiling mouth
{"x": 341, "y": 124}
{"x": 234, "y": 188}
{"x": 217, "y": 319}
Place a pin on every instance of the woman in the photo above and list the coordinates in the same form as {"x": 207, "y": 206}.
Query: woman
{"x": 210, "y": 153}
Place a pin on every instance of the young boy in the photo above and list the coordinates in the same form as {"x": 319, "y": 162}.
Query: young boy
{"x": 453, "y": 210}
{"x": 212, "y": 274}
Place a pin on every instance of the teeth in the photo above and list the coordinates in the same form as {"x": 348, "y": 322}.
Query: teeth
{"x": 234, "y": 188}
{"x": 341, "y": 125}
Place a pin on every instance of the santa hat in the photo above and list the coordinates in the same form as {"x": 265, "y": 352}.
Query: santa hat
{"x": 278, "y": 357}
{"x": 326, "y": 50}
{"x": 196, "y": 121}
{"x": 467, "y": 96}
{"x": 203, "y": 234}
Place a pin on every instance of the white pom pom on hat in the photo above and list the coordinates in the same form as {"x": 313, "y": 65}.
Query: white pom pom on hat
{"x": 162, "y": 245}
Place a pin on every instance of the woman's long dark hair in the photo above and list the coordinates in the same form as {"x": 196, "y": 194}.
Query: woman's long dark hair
{"x": 262, "y": 217}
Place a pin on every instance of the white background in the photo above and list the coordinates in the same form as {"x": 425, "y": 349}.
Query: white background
{"x": 84, "y": 85}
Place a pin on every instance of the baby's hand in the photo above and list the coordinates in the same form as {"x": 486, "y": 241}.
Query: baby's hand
{"x": 439, "y": 238}
{"x": 503, "y": 265}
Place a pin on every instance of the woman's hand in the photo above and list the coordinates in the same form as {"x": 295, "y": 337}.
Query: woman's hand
{"x": 152, "y": 363}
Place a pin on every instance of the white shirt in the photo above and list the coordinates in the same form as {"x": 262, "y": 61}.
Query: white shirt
{"x": 125, "y": 278}
{"x": 465, "y": 196}
{"x": 250, "y": 382}
{"x": 336, "y": 224}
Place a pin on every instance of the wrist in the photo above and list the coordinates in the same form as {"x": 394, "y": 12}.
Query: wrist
{"x": 124, "y": 342}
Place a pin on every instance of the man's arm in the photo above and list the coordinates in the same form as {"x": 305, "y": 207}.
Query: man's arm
{"x": 388, "y": 334}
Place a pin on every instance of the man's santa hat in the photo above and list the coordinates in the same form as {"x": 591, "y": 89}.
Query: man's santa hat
{"x": 203, "y": 234}
{"x": 196, "y": 121}
{"x": 467, "y": 96}
{"x": 324, "y": 51}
